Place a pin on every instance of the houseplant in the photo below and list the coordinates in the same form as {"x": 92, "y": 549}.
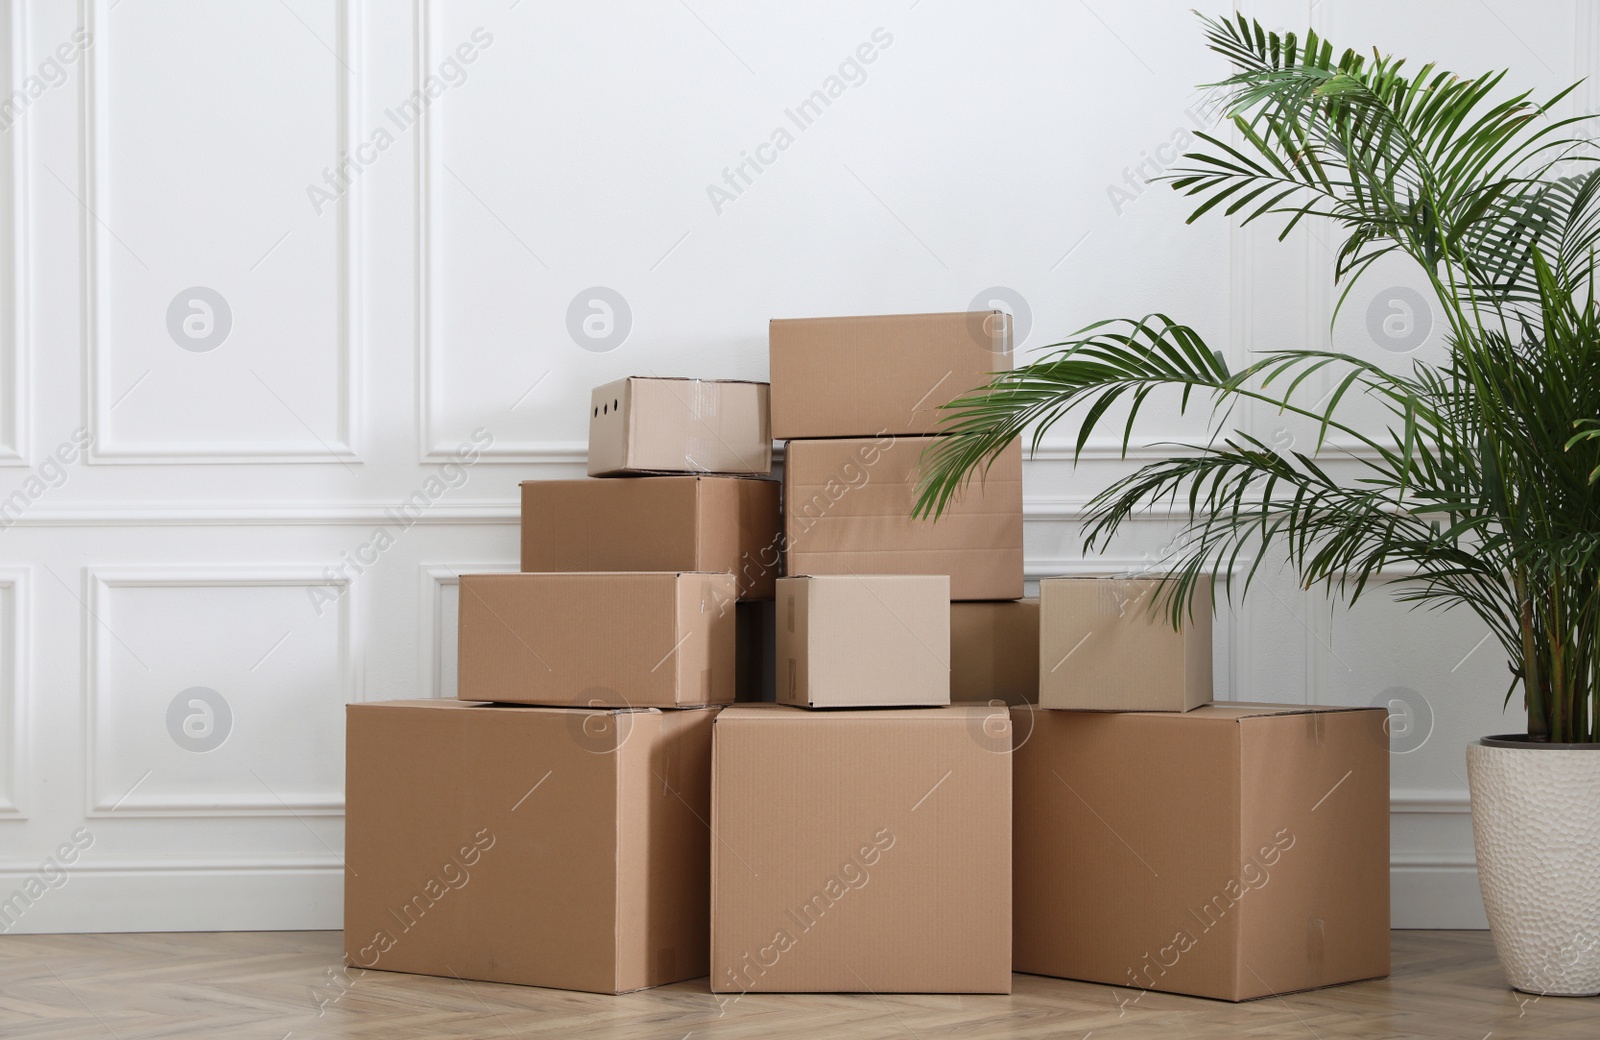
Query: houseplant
{"x": 1482, "y": 486}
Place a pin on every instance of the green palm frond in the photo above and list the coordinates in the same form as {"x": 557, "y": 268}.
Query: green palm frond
{"x": 1483, "y": 485}
{"x": 1435, "y": 166}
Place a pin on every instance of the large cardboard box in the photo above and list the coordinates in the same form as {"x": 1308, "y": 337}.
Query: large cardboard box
{"x": 861, "y": 851}
{"x": 1104, "y": 645}
{"x": 864, "y": 641}
{"x": 994, "y": 652}
{"x": 881, "y": 373}
{"x": 650, "y": 639}
{"x": 542, "y": 846}
{"x": 847, "y": 510}
{"x": 653, "y": 425}
{"x": 655, "y": 524}
{"x": 1235, "y": 851}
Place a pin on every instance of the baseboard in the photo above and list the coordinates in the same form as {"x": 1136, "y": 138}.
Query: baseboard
{"x": 1435, "y": 895}
{"x": 203, "y": 900}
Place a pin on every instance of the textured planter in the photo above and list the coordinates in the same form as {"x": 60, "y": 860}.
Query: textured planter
{"x": 1536, "y": 825}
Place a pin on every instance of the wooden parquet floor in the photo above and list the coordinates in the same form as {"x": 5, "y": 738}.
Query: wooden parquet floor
{"x": 273, "y": 985}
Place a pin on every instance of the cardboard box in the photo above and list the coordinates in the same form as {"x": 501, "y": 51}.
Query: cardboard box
{"x": 655, "y": 524}
{"x": 864, "y": 641}
{"x": 640, "y": 425}
{"x": 1236, "y": 851}
{"x": 994, "y": 652}
{"x": 541, "y": 846}
{"x": 861, "y": 851}
{"x": 879, "y": 374}
{"x": 1104, "y": 645}
{"x": 847, "y": 510}
{"x": 658, "y": 640}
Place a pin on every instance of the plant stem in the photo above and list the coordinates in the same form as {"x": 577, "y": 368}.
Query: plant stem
{"x": 1533, "y": 692}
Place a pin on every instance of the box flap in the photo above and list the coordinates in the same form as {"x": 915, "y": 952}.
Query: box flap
{"x": 788, "y": 715}
{"x": 1254, "y": 710}
{"x": 449, "y": 704}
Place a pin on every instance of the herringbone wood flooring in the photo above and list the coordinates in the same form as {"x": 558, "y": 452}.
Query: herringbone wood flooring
{"x": 269, "y": 985}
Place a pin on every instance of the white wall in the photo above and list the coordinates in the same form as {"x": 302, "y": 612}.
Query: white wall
{"x": 374, "y": 330}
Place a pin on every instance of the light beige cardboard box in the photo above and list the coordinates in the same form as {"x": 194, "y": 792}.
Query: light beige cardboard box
{"x": 847, "y": 510}
{"x": 543, "y": 846}
{"x": 864, "y": 640}
{"x": 860, "y": 851}
{"x": 994, "y": 651}
{"x": 644, "y": 639}
{"x": 655, "y": 425}
{"x": 880, "y": 373}
{"x": 1105, "y": 646}
{"x": 655, "y": 524}
{"x": 1235, "y": 851}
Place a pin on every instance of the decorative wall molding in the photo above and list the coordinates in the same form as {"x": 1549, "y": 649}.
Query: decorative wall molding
{"x": 1036, "y": 509}
{"x": 435, "y": 578}
{"x": 432, "y": 450}
{"x": 15, "y": 220}
{"x": 1586, "y": 57}
{"x": 101, "y": 583}
{"x": 265, "y": 514}
{"x": 160, "y": 867}
{"x": 16, "y": 687}
{"x": 142, "y": 896}
{"x": 95, "y": 274}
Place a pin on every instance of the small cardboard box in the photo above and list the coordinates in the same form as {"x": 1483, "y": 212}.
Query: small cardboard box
{"x": 541, "y": 846}
{"x": 652, "y": 425}
{"x": 994, "y": 652}
{"x": 655, "y": 524}
{"x": 864, "y": 640}
{"x": 881, "y": 373}
{"x": 1105, "y": 646}
{"x": 659, "y": 640}
{"x": 847, "y": 510}
{"x": 862, "y": 851}
{"x": 1235, "y": 851}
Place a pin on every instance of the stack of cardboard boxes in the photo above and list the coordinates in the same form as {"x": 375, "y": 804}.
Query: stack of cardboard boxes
{"x": 954, "y": 781}
{"x": 869, "y": 850}
{"x": 548, "y": 827}
{"x": 1166, "y": 842}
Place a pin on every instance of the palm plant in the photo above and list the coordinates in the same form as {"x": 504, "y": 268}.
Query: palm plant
{"x": 1481, "y": 485}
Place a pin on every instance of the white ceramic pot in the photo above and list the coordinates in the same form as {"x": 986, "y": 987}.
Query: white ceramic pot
{"x": 1536, "y": 825}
